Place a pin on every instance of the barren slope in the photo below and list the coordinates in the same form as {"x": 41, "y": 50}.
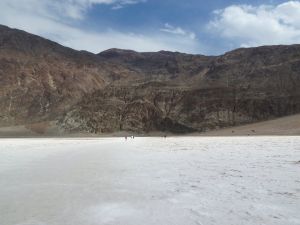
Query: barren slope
{"x": 289, "y": 125}
{"x": 127, "y": 91}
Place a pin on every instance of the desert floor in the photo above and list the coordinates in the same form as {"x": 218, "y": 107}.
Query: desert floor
{"x": 150, "y": 181}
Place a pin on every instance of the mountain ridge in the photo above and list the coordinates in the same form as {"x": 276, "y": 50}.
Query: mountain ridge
{"x": 125, "y": 90}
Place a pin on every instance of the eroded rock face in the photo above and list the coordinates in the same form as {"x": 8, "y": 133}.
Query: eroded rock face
{"x": 40, "y": 80}
{"x": 141, "y": 92}
{"x": 178, "y": 110}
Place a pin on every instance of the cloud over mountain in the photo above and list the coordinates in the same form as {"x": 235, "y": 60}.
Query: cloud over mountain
{"x": 249, "y": 25}
{"x": 57, "y": 20}
{"x": 177, "y": 30}
{"x": 191, "y": 26}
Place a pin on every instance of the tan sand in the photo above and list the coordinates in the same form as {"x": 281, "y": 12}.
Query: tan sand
{"x": 289, "y": 125}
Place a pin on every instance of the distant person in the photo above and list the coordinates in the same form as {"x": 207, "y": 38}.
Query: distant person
{"x": 126, "y": 138}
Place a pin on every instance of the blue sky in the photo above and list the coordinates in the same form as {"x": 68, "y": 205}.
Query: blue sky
{"x": 193, "y": 26}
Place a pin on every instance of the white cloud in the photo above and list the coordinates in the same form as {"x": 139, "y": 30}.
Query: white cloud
{"x": 76, "y": 9}
{"x": 248, "y": 25}
{"x": 177, "y": 30}
{"x": 73, "y": 9}
{"x": 121, "y": 4}
{"x": 48, "y": 20}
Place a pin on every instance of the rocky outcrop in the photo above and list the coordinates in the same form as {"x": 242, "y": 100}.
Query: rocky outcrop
{"x": 123, "y": 90}
{"x": 151, "y": 108}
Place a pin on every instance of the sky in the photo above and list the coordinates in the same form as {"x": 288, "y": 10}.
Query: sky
{"x": 191, "y": 26}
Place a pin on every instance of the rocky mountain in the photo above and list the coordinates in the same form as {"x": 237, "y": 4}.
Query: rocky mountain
{"x": 123, "y": 90}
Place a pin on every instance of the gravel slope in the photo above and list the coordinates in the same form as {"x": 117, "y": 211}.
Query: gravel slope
{"x": 289, "y": 125}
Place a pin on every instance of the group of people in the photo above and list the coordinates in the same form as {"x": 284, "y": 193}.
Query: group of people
{"x": 132, "y": 137}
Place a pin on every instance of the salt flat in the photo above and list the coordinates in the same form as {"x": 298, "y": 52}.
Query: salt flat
{"x": 173, "y": 181}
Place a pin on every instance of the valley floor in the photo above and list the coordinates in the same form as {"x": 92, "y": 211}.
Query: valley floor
{"x": 285, "y": 126}
{"x": 150, "y": 181}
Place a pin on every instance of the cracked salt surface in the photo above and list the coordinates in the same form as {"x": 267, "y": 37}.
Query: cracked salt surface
{"x": 182, "y": 180}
